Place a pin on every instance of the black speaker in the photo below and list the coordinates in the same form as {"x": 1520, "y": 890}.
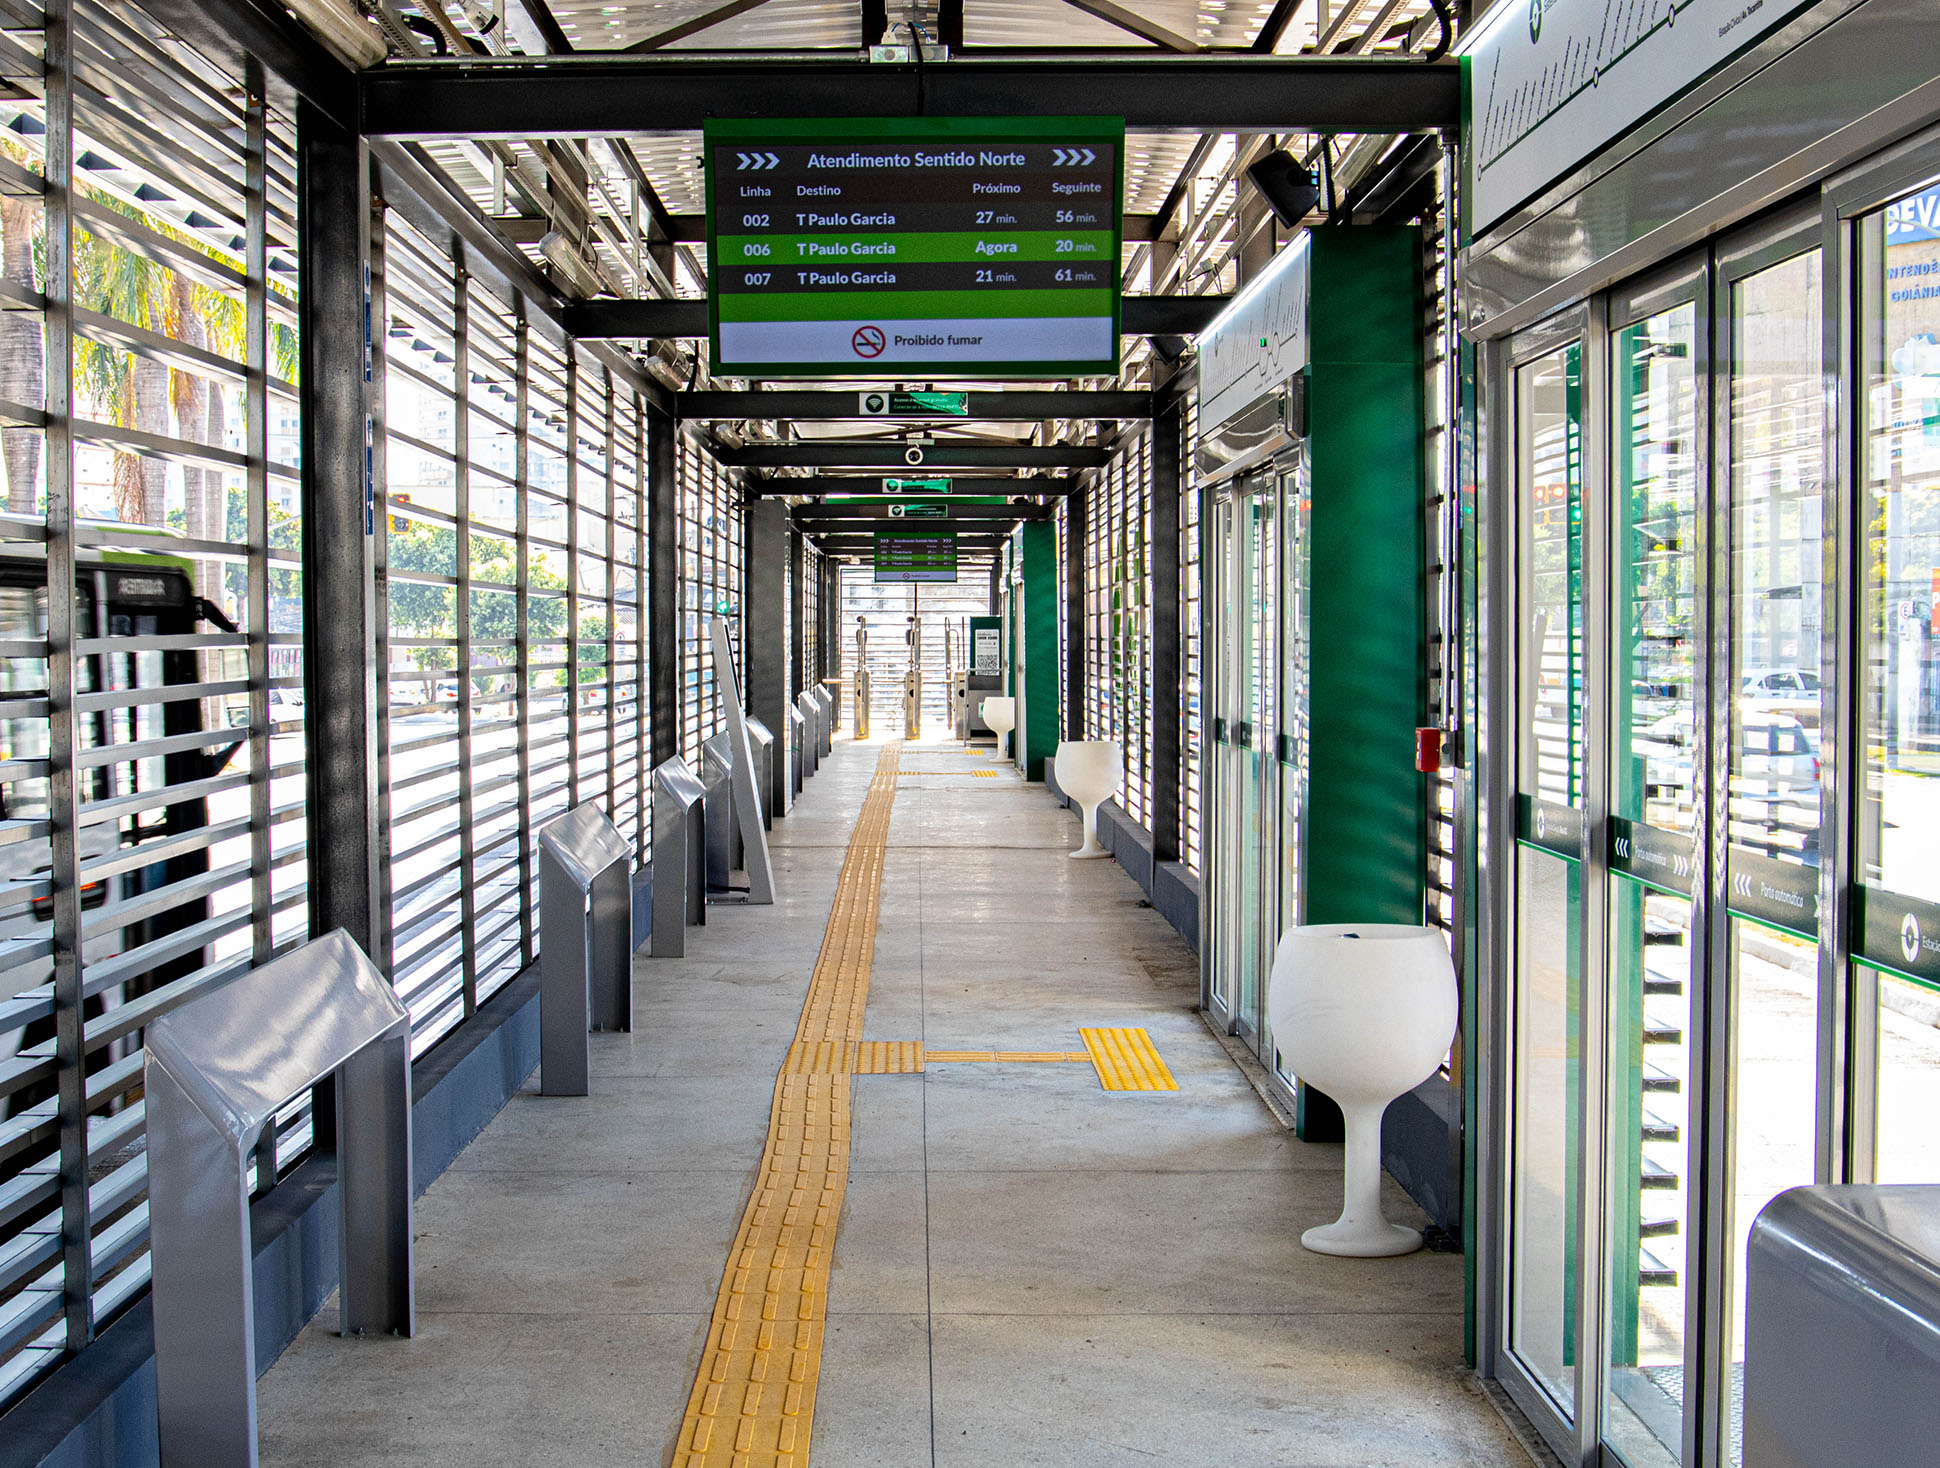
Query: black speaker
{"x": 1291, "y": 191}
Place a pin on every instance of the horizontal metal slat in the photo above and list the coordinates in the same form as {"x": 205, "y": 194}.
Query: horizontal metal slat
{"x": 28, "y": 1314}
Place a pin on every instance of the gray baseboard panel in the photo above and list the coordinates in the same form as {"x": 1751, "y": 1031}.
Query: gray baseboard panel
{"x": 98, "y": 1410}
{"x": 1421, "y": 1147}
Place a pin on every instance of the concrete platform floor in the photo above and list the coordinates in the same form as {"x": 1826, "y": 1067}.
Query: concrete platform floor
{"x": 1028, "y": 1270}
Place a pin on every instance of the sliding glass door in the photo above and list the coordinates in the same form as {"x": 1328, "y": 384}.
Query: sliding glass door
{"x": 1661, "y": 1016}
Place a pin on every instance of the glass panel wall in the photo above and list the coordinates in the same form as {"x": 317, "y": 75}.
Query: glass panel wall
{"x": 1898, "y": 858}
{"x": 1690, "y": 945}
{"x": 1776, "y": 462}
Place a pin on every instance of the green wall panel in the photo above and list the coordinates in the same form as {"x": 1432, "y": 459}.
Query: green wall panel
{"x": 1366, "y": 560}
{"x": 1042, "y": 611}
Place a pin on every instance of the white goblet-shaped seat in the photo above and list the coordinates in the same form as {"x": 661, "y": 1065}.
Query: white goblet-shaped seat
{"x": 1001, "y": 715}
{"x": 1090, "y": 772}
{"x": 1365, "y": 1012}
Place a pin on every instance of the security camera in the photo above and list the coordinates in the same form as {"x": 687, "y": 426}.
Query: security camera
{"x": 912, "y": 456}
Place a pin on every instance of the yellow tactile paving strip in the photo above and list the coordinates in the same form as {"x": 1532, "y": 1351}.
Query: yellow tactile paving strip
{"x": 1126, "y": 1061}
{"x": 887, "y": 1058}
{"x": 753, "y": 1401}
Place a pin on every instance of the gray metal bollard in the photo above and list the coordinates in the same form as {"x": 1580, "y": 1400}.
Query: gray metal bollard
{"x": 811, "y": 734}
{"x": 832, "y": 691}
{"x": 826, "y": 705}
{"x": 1842, "y": 1328}
{"x": 748, "y": 798}
{"x": 797, "y": 738}
{"x": 679, "y": 858}
{"x": 217, "y": 1071}
{"x": 725, "y": 851}
{"x": 585, "y": 944}
{"x": 763, "y": 741}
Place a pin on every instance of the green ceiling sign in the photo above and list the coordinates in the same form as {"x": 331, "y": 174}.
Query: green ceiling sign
{"x": 914, "y": 404}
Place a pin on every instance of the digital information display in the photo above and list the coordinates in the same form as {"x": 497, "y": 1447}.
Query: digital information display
{"x": 963, "y": 247}
{"x": 916, "y": 555}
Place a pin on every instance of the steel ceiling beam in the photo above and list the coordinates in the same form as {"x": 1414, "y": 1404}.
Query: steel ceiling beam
{"x": 240, "y": 33}
{"x": 818, "y": 484}
{"x": 821, "y": 517}
{"x": 687, "y": 28}
{"x": 800, "y": 405}
{"x": 1138, "y": 25}
{"x": 609, "y": 95}
{"x": 687, "y": 320}
{"x": 865, "y": 545}
{"x": 889, "y": 456}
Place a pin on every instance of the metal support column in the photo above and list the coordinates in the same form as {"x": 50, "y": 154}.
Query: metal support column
{"x": 764, "y": 632}
{"x": 799, "y": 670}
{"x": 339, "y": 602}
{"x": 70, "y": 1038}
{"x": 663, "y": 578}
{"x": 829, "y": 644}
{"x": 1168, "y": 707}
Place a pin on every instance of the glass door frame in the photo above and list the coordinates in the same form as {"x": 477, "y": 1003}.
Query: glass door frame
{"x": 1500, "y": 656}
{"x": 1217, "y": 517}
{"x": 1794, "y": 230}
{"x": 1229, "y": 501}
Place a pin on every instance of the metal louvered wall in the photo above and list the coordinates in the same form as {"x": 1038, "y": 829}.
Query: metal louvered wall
{"x": 810, "y": 631}
{"x": 712, "y": 583}
{"x": 1118, "y": 617}
{"x": 510, "y": 560}
{"x": 152, "y": 779}
{"x": 1191, "y": 654}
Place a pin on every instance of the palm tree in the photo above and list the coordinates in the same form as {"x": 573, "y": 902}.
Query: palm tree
{"x": 128, "y": 287}
{"x": 23, "y": 368}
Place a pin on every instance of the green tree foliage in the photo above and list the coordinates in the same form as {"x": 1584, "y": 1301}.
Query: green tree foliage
{"x": 420, "y": 610}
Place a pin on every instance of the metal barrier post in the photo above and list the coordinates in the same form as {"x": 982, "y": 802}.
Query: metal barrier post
{"x": 585, "y": 944}
{"x": 1842, "y": 1327}
{"x": 216, "y": 1072}
{"x": 797, "y": 741}
{"x": 811, "y": 733}
{"x": 826, "y": 729}
{"x": 679, "y": 857}
{"x": 726, "y": 852}
{"x": 763, "y": 741}
{"x": 748, "y": 801}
